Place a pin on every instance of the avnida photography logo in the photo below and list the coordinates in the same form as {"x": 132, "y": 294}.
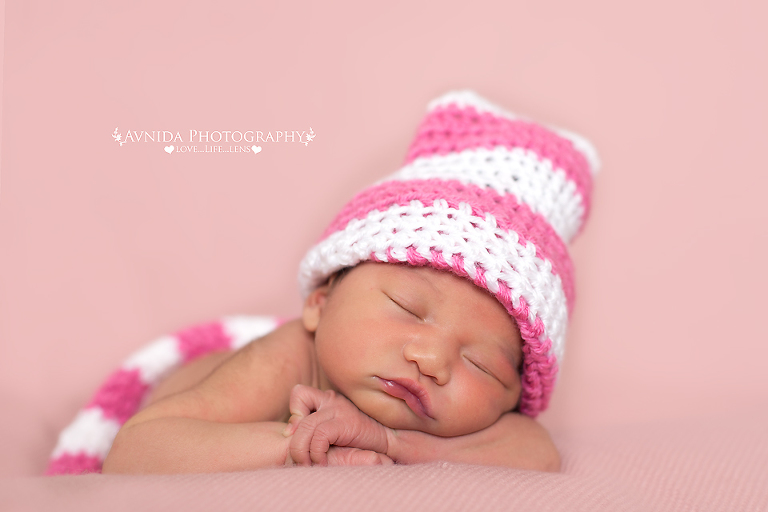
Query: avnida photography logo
{"x": 217, "y": 141}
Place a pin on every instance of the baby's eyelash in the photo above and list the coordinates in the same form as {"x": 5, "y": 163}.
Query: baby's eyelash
{"x": 404, "y": 308}
{"x": 480, "y": 367}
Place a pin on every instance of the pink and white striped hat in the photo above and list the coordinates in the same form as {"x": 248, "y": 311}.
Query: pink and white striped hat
{"x": 491, "y": 197}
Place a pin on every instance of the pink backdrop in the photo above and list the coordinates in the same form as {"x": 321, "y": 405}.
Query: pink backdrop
{"x": 104, "y": 247}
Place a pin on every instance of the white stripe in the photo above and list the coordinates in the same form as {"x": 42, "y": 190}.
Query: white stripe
{"x": 445, "y": 229}
{"x": 155, "y": 360}
{"x": 90, "y": 433}
{"x": 471, "y": 98}
{"x": 468, "y": 98}
{"x": 531, "y": 179}
{"x": 244, "y": 329}
{"x": 583, "y": 145}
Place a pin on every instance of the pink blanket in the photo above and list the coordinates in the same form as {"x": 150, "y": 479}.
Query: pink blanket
{"x": 718, "y": 463}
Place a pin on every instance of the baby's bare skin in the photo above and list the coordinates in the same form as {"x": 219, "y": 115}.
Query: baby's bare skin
{"x": 188, "y": 376}
{"x": 230, "y": 411}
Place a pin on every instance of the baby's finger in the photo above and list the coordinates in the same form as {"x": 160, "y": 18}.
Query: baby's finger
{"x": 290, "y": 428}
{"x": 326, "y": 434}
{"x": 303, "y": 435}
{"x": 345, "y": 456}
{"x": 299, "y": 447}
{"x": 302, "y": 401}
{"x": 385, "y": 460}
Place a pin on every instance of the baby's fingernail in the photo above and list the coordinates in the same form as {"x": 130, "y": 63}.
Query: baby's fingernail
{"x": 290, "y": 428}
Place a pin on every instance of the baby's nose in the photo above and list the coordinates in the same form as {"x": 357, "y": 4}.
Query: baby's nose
{"x": 432, "y": 356}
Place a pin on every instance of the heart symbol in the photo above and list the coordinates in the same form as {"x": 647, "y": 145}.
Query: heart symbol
{"x": 255, "y": 149}
{"x": 169, "y": 149}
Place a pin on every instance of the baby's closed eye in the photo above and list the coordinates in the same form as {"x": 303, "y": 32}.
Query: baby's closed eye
{"x": 479, "y": 366}
{"x": 402, "y": 304}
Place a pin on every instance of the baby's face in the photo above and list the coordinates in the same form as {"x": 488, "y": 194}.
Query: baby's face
{"x": 416, "y": 348}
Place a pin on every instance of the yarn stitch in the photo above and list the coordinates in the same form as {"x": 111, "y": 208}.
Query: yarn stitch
{"x": 488, "y": 196}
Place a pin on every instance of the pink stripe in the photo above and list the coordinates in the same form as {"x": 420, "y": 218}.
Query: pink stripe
{"x": 414, "y": 258}
{"x": 202, "y": 339}
{"x": 539, "y": 368}
{"x": 390, "y": 257}
{"x": 69, "y": 464}
{"x": 510, "y": 215}
{"x": 480, "y": 278}
{"x": 120, "y": 396}
{"x": 458, "y": 265}
{"x": 450, "y": 128}
{"x": 438, "y": 261}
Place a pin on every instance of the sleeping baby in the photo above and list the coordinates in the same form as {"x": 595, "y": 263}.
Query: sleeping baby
{"x": 434, "y": 317}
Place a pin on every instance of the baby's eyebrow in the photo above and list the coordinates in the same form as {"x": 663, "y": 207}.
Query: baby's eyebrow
{"x": 422, "y": 279}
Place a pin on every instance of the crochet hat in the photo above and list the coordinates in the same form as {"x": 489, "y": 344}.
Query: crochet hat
{"x": 491, "y": 197}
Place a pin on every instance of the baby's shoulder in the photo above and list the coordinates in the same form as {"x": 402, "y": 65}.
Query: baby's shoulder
{"x": 280, "y": 359}
{"x": 251, "y": 385}
{"x": 288, "y": 351}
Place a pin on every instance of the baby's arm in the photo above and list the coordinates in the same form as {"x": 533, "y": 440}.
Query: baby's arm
{"x": 514, "y": 440}
{"x": 232, "y": 420}
{"x": 187, "y": 445}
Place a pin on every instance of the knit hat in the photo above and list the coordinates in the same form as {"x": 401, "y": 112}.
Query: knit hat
{"x": 488, "y": 196}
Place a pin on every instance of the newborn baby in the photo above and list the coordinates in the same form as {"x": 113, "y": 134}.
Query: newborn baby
{"x": 434, "y": 317}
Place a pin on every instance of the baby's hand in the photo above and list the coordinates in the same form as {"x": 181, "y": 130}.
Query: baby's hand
{"x": 346, "y": 456}
{"x": 321, "y": 420}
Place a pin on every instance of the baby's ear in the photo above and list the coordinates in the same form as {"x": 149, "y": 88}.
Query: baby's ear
{"x": 313, "y": 307}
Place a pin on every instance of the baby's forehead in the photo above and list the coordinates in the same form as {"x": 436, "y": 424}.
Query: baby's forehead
{"x": 442, "y": 285}
{"x": 444, "y": 281}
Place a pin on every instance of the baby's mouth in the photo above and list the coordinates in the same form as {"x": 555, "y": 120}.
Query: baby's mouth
{"x": 411, "y": 393}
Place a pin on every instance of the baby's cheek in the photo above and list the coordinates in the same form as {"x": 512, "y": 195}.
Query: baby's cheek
{"x": 487, "y": 413}
{"x": 343, "y": 349}
{"x": 479, "y": 408}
